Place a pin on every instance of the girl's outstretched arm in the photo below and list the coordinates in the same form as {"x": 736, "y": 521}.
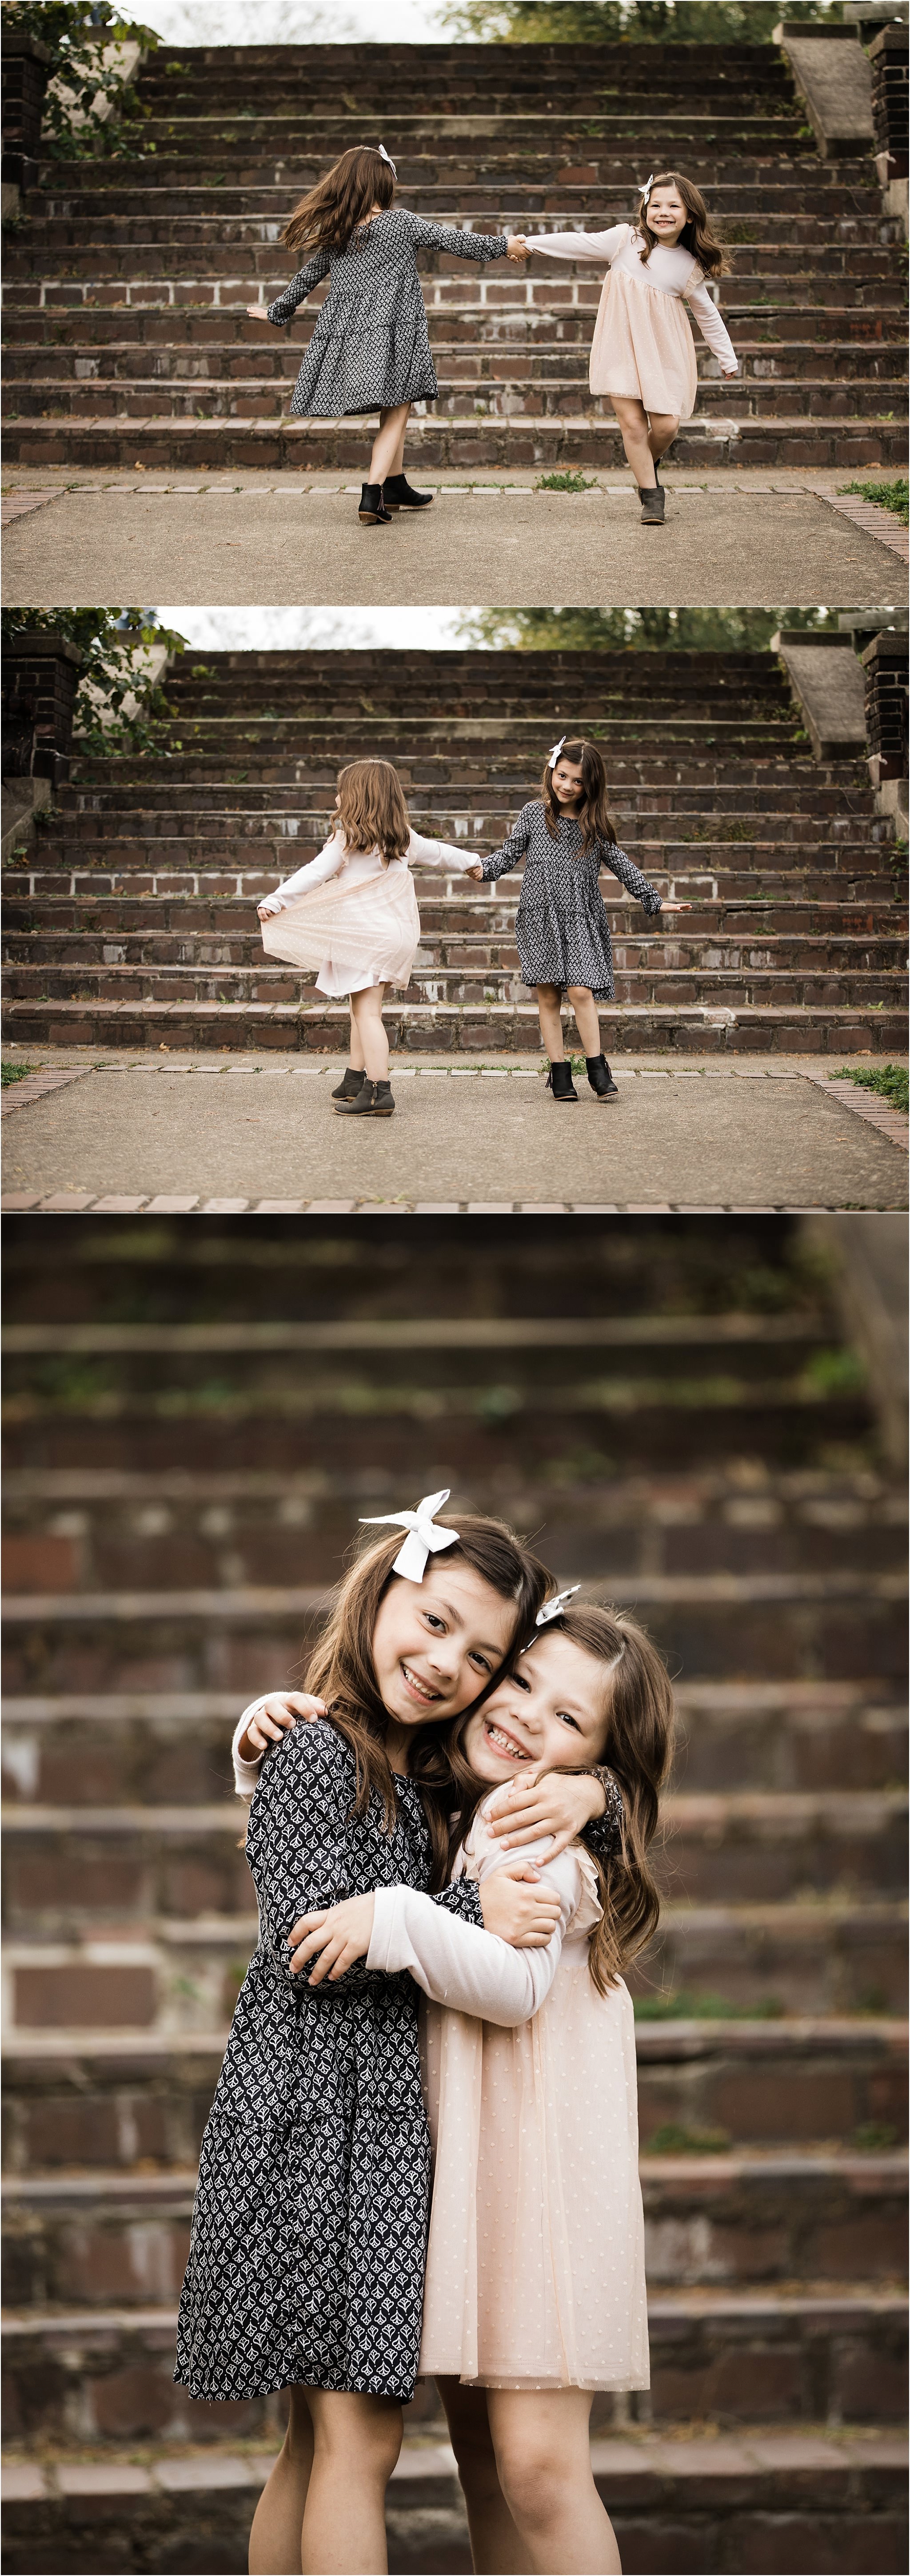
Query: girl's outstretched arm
{"x": 285, "y": 305}
{"x": 315, "y": 872}
{"x": 712, "y": 327}
{"x": 479, "y": 246}
{"x": 512, "y": 848}
{"x": 631, "y": 877}
{"x": 599, "y": 246}
{"x": 442, "y": 854}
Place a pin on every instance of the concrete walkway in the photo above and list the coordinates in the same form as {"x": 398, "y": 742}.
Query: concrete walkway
{"x": 212, "y": 1134}
{"x": 251, "y": 540}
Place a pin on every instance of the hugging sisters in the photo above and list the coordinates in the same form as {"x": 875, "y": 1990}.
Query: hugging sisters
{"x": 352, "y": 912}
{"x": 370, "y": 344}
{"x": 422, "y": 2156}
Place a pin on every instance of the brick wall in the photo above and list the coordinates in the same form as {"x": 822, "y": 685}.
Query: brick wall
{"x": 26, "y": 64}
{"x": 885, "y": 665}
{"x": 888, "y": 57}
{"x": 42, "y": 674}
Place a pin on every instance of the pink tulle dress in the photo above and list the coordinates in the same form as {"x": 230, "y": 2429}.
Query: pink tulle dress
{"x": 642, "y": 345}
{"x": 535, "y": 2265}
{"x": 351, "y": 917}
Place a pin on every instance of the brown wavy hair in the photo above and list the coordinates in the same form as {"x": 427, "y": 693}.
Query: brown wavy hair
{"x": 372, "y": 812}
{"x": 638, "y": 1742}
{"x": 697, "y": 233}
{"x": 593, "y": 813}
{"x": 328, "y": 216}
{"x": 341, "y": 1671}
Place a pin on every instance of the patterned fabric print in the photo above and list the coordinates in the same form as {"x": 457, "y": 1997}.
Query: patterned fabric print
{"x": 370, "y": 347}
{"x": 562, "y": 926}
{"x": 309, "y": 2229}
{"x": 604, "y": 1833}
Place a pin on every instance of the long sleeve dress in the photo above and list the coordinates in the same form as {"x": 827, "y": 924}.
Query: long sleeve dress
{"x": 370, "y": 347}
{"x": 352, "y": 916}
{"x": 642, "y": 345}
{"x": 309, "y": 2228}
{"x": 535, "y": 2266}
{"x": 561, "y": 925}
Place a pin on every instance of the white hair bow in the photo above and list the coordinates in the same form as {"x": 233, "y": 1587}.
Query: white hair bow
{"x": 423, "y": 1537}
{"x": 646, "y": 190}
{"x": 553, "y": 756}
{"x": 386, "y": 156}
{"x": 554, "y": 1609}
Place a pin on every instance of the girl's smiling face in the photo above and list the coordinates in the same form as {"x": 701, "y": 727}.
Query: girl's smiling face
{"x": 567, "y": 782}
{"x": 552, "y": 1710}
{"x": 666, "y": 215}
{"x": 436, "y": 1644}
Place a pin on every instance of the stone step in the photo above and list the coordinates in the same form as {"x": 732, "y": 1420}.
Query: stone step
{"x": 160, "y": 340}
{"x": 781, "y": 2355}
{"x": 93, "y": 2240}
{"x": 674, "y": 2504}
{"x": 727, "y": 905}
{"x": 549, "y": 396}
{"x": 117, "y": 2099}
{"x": 425, "y": 1027}
{"x": 653, "y": 981}
{"x": 538, "y": 373}
{"x": 146, "y": 1746}
{"x": 491, "y": 192}
{"x": 464, "y": 962}
{"x": 452, "y": 442}
{"x": 89, "y": 1866}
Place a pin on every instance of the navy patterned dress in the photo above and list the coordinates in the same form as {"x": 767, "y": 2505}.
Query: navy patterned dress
{"x": 309, "y": 2229}
{"x": 562, "y": 926}
{"x": 370, "y": 347}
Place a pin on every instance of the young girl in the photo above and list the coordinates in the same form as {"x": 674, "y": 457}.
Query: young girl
{"x": 363, "y": 931}
{"x": 309, "y": 2229}
{"x": 370, "y": 348}
{"x": 561, "y": 924}
{"x": 535, "y": 2289}
{"x": 642, "y": 353}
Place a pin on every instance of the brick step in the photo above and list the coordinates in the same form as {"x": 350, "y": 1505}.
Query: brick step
{"x": 747, "y": 1847}
{"x": 113, "y": 2099}
{"x": 511, "y": 396}
{"x": 35, "y": 377}
{"x": 674, "y": 2504}
{"x": 151, "y": 1746}
{"x": 508, "y": 1027}
{"x": 783, "y": 2355}
{"x": 451, "y": 442}
{"x": 218, "y": 275}
{"x": 160, "y": 339}
{"x": 454, "y": 955}
{"x": 650, "y": 980}
{"x": 90, "y": 2240}
{"x": 721, "y": 728}
{"x": 745, "y": 904}
{"x": 710, "y": 788}
{"x": 497, "y": 196}
{"x": 713, "y": 1960}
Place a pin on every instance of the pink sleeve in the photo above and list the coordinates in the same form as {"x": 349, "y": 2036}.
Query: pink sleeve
{"x": 600, "y": 246}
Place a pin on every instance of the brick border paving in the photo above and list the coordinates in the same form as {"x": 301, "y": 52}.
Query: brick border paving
{"x": 890, "y": 1123}
{"x": 876, "y": 522}
{"x": 34, "y": 1085}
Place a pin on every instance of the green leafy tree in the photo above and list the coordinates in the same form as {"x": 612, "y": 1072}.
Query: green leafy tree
{"x": 77, "y": 32}
{"x": 615, "y": 22}
{"x": 117, "y": 703}
{"x": 642, "y": 630}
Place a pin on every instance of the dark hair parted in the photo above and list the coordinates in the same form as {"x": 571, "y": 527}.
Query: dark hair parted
{"x": 328, "y": 216}
{"x": 697, "y": 236}
{"x": 341, "y": 1669}
{"x": 592, "y": 813}
{"x": 637, "y": 1745}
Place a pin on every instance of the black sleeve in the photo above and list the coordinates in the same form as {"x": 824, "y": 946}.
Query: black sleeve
{"x": 604, "y": 1833}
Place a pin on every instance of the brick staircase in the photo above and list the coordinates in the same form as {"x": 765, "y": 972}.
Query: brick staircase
{"x": 127, "y": 280}
{"x": 132, "y": 923}
{"x": 195, "y": 1419}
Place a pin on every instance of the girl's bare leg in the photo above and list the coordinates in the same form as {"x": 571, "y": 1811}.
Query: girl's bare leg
{"x": 356, "y": 2442}
{"x": 366, "y": 1017}
{"x": 355, "y": 1054}
{"x": 664, "y": 425}
{"x": 496, "y": 2546}
{"x": 550, "y": 1017}
{"x": 633, "y": 422}
{"x": 586, "y": 1020}
{"x": 543, "y": 2455}
{"x": 275, "y": 2539}
{"x": 388, "y": 445}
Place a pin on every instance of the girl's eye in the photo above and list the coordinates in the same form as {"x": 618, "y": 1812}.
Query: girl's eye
{"x": 482, "y": 1660}
{"x": 567, "y": 1720}
{"x": 433, "y": 1622}
{"x": 519, "y": 1683}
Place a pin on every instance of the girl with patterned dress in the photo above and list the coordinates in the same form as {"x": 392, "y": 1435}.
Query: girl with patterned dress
{"x": 370, "y": 348}
{"x": 642, "y": 353}
{"x": 352, "y": 913}
{"x": 308, "y": 2240}
{"x": 565, "y": 837}
{"x": 535, "y": 2282}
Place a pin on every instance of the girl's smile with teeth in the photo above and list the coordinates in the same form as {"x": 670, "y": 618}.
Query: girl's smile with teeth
{"x": 420, "y": 1689}
{"x": 507, "y": 1745}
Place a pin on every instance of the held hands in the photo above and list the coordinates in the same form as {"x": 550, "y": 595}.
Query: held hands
{"x": 272, "y": 1716}
{"x": 560, "y": 1803}
{"x": 336, "y": 1938}
{"x": 516, "y": 246}
{"x": 476, "y": 871}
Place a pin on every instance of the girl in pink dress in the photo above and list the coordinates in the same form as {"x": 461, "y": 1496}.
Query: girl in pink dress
{"x": 535, "y": 2285}
{"x": 352, "y": 913}
{"x": 642, "y": 353}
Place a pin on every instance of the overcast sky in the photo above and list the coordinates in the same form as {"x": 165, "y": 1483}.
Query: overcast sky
{"x": 293, "y": 22}
{"x": 263, "y": 630}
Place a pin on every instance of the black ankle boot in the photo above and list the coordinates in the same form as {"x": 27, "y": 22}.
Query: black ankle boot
{"x": 351, "y": 1082}
{"x": 559, "y": 1081}
{"x": 399, "y": 494}
{"x": 652, "y": 504}
{"x": 372, "y": 512}
{"x": 600, "y": 1078}
{"x": 373, "y": 1100}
